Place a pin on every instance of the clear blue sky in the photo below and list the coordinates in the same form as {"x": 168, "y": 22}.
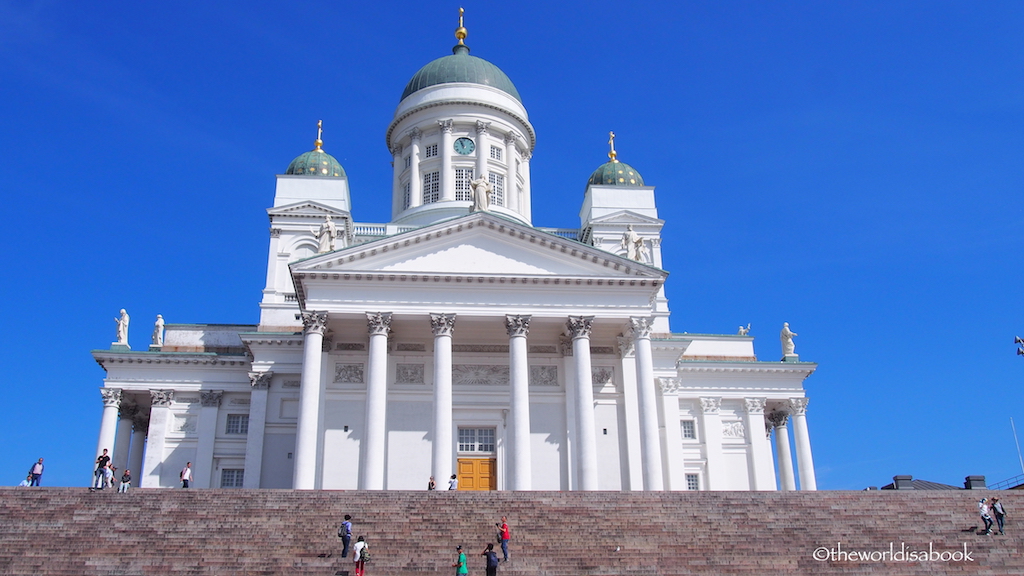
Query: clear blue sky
{"x": 853, "y": 168}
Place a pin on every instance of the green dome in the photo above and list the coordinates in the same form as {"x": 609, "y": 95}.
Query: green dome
{"x": 316, "y": 163}
{"x": 461, "y": 67}
{"x": 616, "y": 173}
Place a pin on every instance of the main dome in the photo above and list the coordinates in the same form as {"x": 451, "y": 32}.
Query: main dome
{"x": 461, "y": 67}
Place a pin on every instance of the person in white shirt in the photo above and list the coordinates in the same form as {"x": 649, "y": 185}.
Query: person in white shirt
{"x": 186, "y": 475}
{"x": 453, "y": 482}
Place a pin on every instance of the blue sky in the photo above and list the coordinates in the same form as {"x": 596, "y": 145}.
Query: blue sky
{"x": 852, "y": 168}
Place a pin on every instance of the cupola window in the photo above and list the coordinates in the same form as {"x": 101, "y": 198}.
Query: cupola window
{"x": 497, "y": 189}
{"x": 496, "y": 153}
{"x": 430, "y": 151}
{"x": 431, "y": 187}
{"x": 463, "y": 190}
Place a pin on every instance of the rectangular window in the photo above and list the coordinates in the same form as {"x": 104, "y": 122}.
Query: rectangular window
{"x": 689, "y": 430}
{"x": 431, "y": 187}
{"x": 495, "y": 153}
{"x": 232, "y": 478}
{"x": 237, "y": 424}
{"x": 497, "y": 189}
{"x": 463, "y": 176}
{"x": 407, "y": 195}
{"x": 430, "y": 151}
{"x": 476, "y": 439}
{"x": 408, "y": 161}
{"x": 693, "y": 481}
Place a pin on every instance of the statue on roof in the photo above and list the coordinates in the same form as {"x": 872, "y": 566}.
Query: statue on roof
{"x": 326, "y": 235}
{"x": 481, "y": 195}
{"x": 744, "y": 331}
{"x": 634, "y": 246}
{"x": 122, "y": 327}
{"x": 158, "y": 331}
{"x": 786, "y": 336}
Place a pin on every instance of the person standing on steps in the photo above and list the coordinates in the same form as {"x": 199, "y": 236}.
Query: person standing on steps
{"x": 359, "y": 555}
{"x": 345, "y": 533}
{"x": 983, "y": 509}
{"x": 186, "y": 475}
{"x": 505, "y": 536}
{"x": 453, "y": 482}
{"x": 99, "y": 476}
{"x": 431, "y": 485}
{"x": 999, "y": 512}
{"x": 460, "y": 562}
{"x": 492, "y": 560}
{"x": 36, "y": 472}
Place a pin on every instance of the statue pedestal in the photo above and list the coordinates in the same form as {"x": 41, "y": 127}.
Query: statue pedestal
{"x": 117, "y": 346}
{"x": 155, "y": 348}
{"x": 791, "y": 358}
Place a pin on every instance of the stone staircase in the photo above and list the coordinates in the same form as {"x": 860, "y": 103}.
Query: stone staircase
{"x": 50, "y": 531}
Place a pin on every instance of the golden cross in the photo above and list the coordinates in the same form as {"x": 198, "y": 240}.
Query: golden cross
{"x": 611, "y": 144}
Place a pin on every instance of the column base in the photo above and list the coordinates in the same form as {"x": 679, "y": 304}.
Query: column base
{"x": 118, "y": 347}
{"x": 153, "y": 348}
{"x": 791, "y": 358}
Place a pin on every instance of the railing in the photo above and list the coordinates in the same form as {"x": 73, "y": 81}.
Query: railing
{"x": 1008, "y": 483}
{"x": 570, "y": 233}
{"x": 291, "y": 298}
{"x": 370, "y": 229}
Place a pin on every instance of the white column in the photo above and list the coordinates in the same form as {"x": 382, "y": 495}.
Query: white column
{"x": 518, "y": 328}
{"x": 397, "y": 193}
{"x": 650, "y": 438}
{"x": 447, "y": 173}
{"x": 586, "y": 434}
{"x": 511, "y": 183}
{"x": 526, "y": 206}
{"x": 308, "y": 428}
{"x": 631, "y": 413}
{"x": 759, "y": 457}
{"x": 141, "y": 425}
{"x": 372, "y": 475}
{"x": 779, "y": 419}
{"x": 156, "y": 439}
{"x": 442, "y": 325}
{"x": 711, "y": 430}
{"x": 108, "y": 423}
{"x": 483, "y": 149}
{"x": 415, "y": 179}
{"x": 804, "y": 462}
{"x": 202, "y": 467}
{"x": 260, "y": 382}
{"x": 123, "y": 437}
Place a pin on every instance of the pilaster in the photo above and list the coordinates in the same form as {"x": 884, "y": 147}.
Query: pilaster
{"x": 260, "y": 384}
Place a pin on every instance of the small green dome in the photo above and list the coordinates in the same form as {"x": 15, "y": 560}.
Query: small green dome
{"x": 316, "y": 163}
{"x": 461, "y": 67}
{"x": 616, "y": 173}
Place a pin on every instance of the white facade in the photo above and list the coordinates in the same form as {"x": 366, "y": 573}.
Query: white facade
{"x": 457, "y": 341}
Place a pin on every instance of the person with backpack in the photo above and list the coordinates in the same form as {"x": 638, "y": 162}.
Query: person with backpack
{"x": 999, "y": 512}
{"x": 360, "y": 555}
{"x": 504, "y": 536}
{"x": 345, "y": 533}
{"x": 492, "y": 560}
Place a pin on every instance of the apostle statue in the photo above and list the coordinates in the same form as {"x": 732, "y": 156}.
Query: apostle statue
{"x": 786, "y": 336}
{"x": 122, "y": 327}
{"x": 158, "y": 331}
{"x": 633, "y": 244}
{"x": 326, "y": 235}
{"x": 481, "y": 195}
{"x": 744, "y": 330}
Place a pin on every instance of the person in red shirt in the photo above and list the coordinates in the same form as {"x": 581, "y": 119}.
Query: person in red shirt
{"x": 503, "y": 529}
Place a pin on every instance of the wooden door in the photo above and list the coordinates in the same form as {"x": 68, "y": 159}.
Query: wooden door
{"x": 478, "y": 474}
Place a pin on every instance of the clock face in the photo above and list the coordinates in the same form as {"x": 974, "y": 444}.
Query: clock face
{"x": 464, "y": 146}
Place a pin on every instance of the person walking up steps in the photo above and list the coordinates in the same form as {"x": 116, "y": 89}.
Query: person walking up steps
{"x": 360, "y": 554}
{"x": 492, "y": 560}
{"x": 345, "y": 533}
{"x": 505, "y": 535}
{"x": 460, "y": 562}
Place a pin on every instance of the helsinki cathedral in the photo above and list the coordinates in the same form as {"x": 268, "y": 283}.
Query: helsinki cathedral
{"x": 458, "y": 338}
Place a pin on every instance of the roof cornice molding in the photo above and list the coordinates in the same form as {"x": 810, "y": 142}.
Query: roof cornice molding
{"x": 435, "y": 104}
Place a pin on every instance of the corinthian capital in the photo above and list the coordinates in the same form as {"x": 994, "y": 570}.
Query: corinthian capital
{"x": 111, "y": 396}
{"x": 442, "y": 324}
{"x": 161, "y": 397}
{"x": 446, "y": 126}
{"x": 710, "y": 405}
{"x": 754, "y": 405}
{"x": 378, "y": 323}
{"x": 314, "y": 322}
{"x": 580, "y": 326}
{"x": 798, "y": 406}
{"x": 260, "y": 380}
{"x": 517, "y": 325}
{"x": 482, "y": 127}
{"x": 778, "y": 418}
{"x": 511, "y": 137}
{"x": 641, "y": 326}
{"x": 414, "y": 134}
{"x": 211, "y": 398}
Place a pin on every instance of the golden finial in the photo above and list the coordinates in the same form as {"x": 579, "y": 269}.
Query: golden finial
{"x": 461, "y": 32}
{"x": 611, "y": 144}
{"x": 319, "y": 136}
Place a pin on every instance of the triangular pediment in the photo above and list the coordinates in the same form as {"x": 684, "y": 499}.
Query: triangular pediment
{"x": 480, "y": 244}
{"x": 627, "y": 217}
{"x": 306, "y": 208}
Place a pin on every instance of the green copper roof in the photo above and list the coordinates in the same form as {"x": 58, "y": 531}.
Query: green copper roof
{"x": 461, "y": 67}
{"x": 616, "y": 174}
{"x": 316, "y": 163}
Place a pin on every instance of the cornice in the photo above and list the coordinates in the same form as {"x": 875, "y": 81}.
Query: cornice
{"x": 104, "y": 358}
{"x": 711, "y": 366}
{"x": 438, "y": 103}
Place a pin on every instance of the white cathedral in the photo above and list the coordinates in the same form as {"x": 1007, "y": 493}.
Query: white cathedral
{"x": 457, "y": 338}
